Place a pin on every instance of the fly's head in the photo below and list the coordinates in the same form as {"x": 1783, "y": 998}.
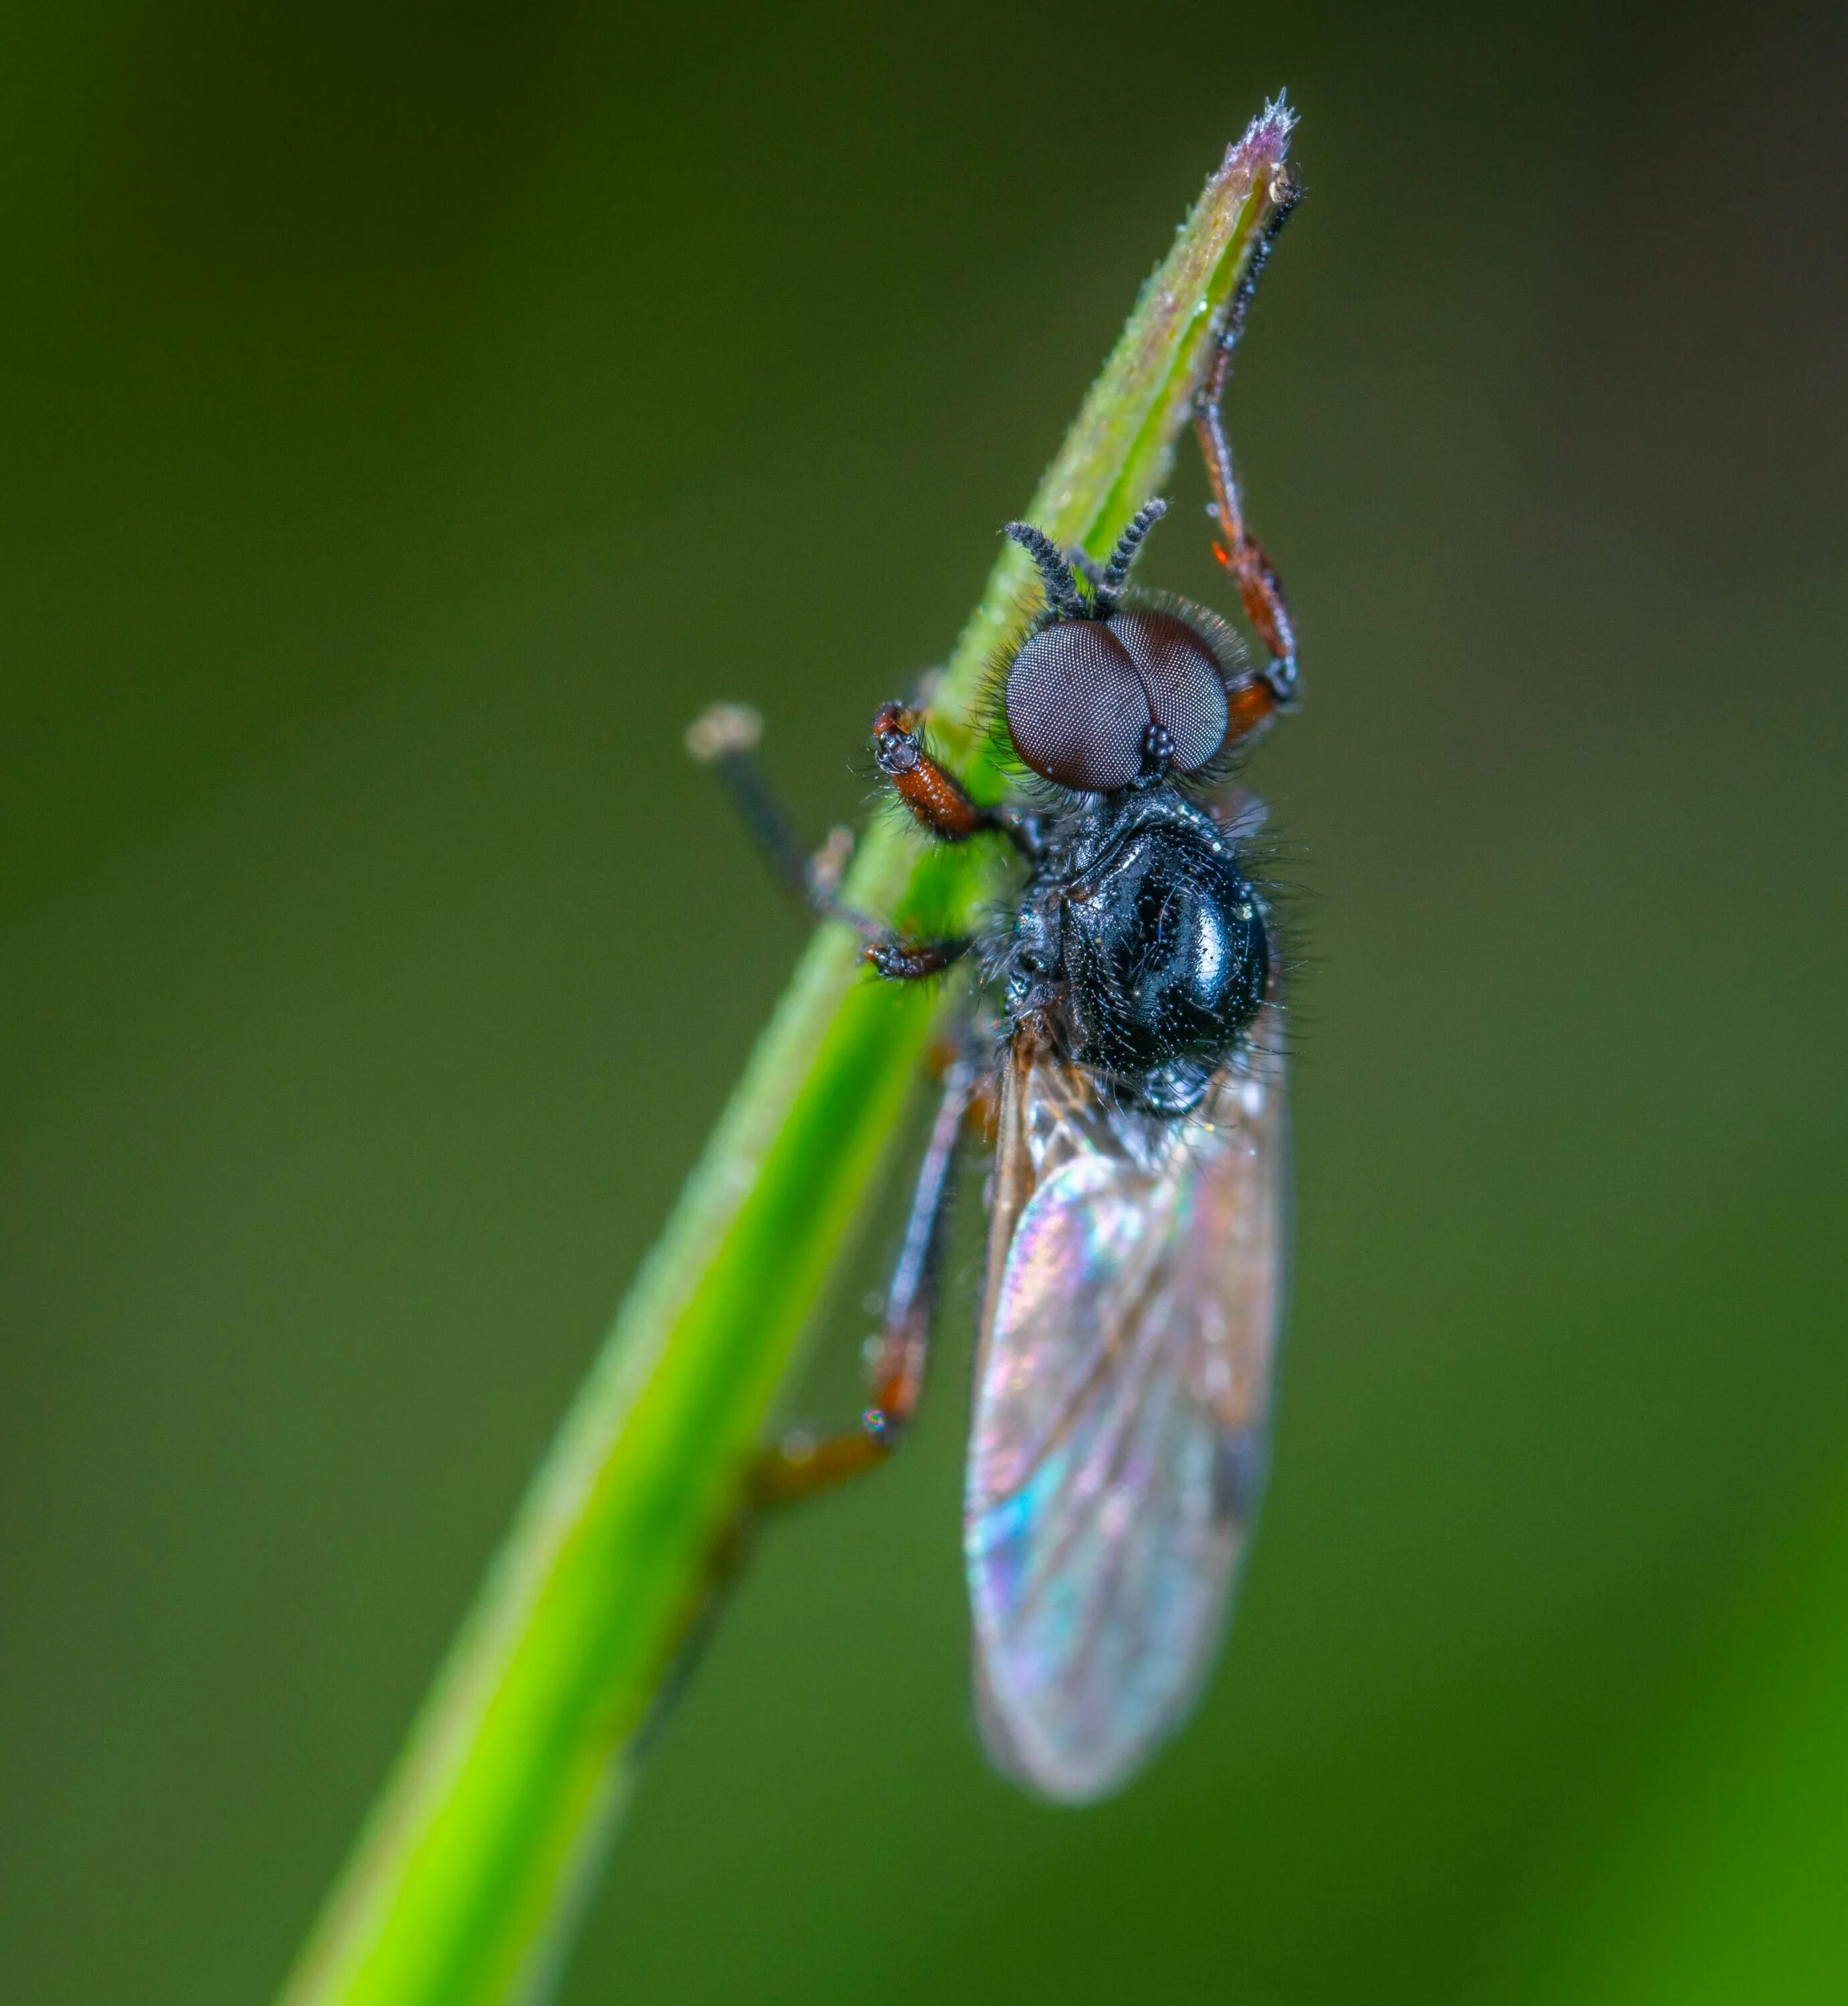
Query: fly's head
{"x": 1111, "y": 691}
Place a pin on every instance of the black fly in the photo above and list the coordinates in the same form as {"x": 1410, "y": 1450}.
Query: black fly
{"x": 1139, "y": 1198}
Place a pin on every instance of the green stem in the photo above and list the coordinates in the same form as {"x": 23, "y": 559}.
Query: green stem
{"x": 460, "y": 1888}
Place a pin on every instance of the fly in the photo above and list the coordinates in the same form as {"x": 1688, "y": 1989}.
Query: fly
{"x": 1138, "y": 1204}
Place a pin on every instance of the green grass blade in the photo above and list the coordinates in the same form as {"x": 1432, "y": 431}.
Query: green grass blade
{"x": 462, "y": 1885}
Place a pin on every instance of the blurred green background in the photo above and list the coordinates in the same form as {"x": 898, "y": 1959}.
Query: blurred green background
{"x": 411, "y": 415}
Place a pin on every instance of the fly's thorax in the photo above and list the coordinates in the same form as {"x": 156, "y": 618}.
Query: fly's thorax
{"x": 1154, "y": 940}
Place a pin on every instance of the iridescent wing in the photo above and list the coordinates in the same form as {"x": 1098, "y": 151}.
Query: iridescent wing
{"x": 1136, "y": 1276}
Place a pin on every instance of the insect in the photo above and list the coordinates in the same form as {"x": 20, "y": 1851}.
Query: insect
{"x": 1138, "y": 1199}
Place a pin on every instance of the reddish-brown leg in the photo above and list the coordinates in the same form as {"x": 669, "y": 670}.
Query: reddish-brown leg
{"x": 1260, "y": 590}
{"x": 801, "y": 1465}
{"x": 932, "y": 792}
{"x": 943, "y": 805}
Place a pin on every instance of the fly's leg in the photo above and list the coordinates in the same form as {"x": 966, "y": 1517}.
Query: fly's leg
{"x": 897, "y": 959}
{"x": 937, "y": 799}
{"x": 942, "y": 805}
{"x": 801, "y": 1465}
{"x": 1260, "y": 590}
{"x": 726, "y": 738}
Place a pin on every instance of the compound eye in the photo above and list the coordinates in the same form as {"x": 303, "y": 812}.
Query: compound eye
{"x": 1186, "y": 692}
{"x": 1076, "y": 708}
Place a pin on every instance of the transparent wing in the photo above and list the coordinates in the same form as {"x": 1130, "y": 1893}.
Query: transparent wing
{"x": 1136, "y": 1279}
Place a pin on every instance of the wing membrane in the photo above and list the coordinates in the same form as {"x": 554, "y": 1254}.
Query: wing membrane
{"x": 1135, "y": 1289}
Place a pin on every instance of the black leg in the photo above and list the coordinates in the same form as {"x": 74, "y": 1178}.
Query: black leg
{"x": 726, "y": 738}
{"x": 900, "y": 960}
{"x": 801, "y": 1465}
